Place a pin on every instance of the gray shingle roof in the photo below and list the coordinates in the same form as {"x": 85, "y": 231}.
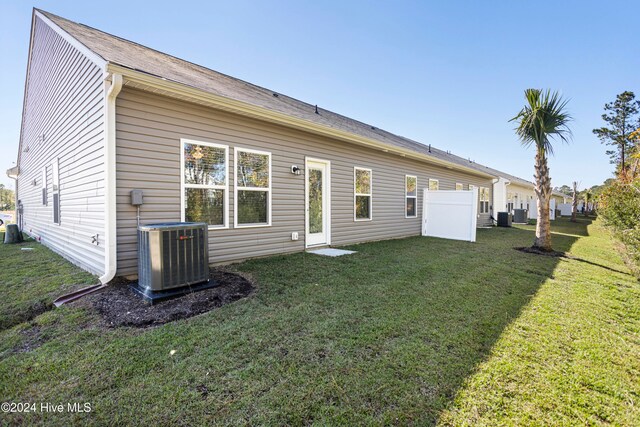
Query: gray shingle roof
{"x": 132, "y": 55}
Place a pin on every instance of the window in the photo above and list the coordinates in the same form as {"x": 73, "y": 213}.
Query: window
{"x": 253, "y": 188}
{"x": 411, "y": 196}
{"x": 471, "y": 187}
{"x": 44, "y": 186}
{"x": 434, "y": 184}
{"x": 510, "y": 202}
{"x": 205, "y": 183}
{"x": 459, "y": 186}
{"x": 362, "y": 186}
{"x": 55, "y": 190}
{"x": 484, "y": 200}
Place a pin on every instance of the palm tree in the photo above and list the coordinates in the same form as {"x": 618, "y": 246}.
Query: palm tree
{"x": 543, "y": 118}
{"x": 574, "y": 202}
{"x": 587, "y": 200}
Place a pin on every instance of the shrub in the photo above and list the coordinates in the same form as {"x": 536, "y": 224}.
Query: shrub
{"x": 619, "y": 207}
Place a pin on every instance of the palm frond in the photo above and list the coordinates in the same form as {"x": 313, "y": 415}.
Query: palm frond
{"x": 543, "y": 119}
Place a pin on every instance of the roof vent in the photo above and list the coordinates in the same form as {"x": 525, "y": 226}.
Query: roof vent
{"x": 275, "y": 94}
{"x": 317, "y": 109}
{"x": 429, "y": 147}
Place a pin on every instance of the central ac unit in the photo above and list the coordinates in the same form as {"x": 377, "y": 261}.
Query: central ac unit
{"x": 172, "y": 255}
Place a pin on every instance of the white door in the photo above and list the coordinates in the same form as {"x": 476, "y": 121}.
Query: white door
{"x": 317, "y": 202}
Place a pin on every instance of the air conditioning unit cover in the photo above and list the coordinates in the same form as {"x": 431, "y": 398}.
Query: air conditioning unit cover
{"x": 172, "y": 255}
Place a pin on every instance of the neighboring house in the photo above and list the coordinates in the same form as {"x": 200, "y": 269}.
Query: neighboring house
{"x": 511, "y": 192}
{"x": 103, "y": 116}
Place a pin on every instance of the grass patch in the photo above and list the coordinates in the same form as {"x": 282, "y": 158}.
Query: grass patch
{"x": 411, "y": 331}
{"x": 31, "y": 280}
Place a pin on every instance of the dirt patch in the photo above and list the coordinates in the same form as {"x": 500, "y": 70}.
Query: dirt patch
{"x": 120, "y": 306}
{"x": 31, "y": 339}
{"x": 536, "y": 251}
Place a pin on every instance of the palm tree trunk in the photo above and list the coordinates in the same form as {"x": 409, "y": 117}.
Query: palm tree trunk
{"x": 543, "y": 192}
{"x": 574, "y": 202}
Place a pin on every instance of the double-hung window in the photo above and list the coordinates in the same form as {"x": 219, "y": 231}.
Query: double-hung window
{"x": 253, "y": 188}
{"x": 434, "y": 184}
{"x": 411, "y": 196}
{"x": 484, "y": 200}
{"x": 362, "y": 197}
{"x": 205, "y": 183}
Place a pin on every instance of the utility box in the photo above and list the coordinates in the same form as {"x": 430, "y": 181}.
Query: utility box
{"x": 520, "y": 216}
{"x": 504, "y": 219}
{"x": 137, "y": 197}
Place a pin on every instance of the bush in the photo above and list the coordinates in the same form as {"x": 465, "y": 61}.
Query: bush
{"x": 619, "y": 207}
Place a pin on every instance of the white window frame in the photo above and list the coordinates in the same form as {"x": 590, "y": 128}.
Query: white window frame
{"x": 55, "y": 190}
{"x": 225, "y": 187}
{"x": 45, "y": 195}
{"x": 459, "y": 186}
{"x": 370, "y": 194}
{"x": 406, "y": 196}
{"x": 471, "y": 186}
{"x": 482, "y": 200}
{"x": 437, "y": 181}
{"x": 237, "y": 188}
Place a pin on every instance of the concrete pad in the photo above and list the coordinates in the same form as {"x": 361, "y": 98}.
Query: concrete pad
{"x": 331, "y": 252}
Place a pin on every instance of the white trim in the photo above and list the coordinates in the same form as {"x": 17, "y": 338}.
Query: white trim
{"x": 159, "y": 84}
{"x": 326, "y": 197}
{"x": 224, "y": 187}
{"x": 437, "y": 182}
{"x": 91, "y": 55}
{"x": 236, "y": 187}
{"x": 406, "y": 196}
{"x": 55, "y": 190}
{"x": 481, "y": 192}
{"x": 370, "y": 194}
{"x": 44, "y": 190}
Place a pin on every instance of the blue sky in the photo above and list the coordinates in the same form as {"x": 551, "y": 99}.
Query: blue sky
{"x": 448, "y": 73}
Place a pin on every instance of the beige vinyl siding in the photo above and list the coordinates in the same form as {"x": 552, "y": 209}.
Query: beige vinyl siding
{"x": 148, "y": 132}
{"x": 64, "y": 102}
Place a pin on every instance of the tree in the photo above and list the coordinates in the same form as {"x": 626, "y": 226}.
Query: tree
{"x": 565, "y": 189}
{"x": 6, "y": 199}
{"x": 622, "y": 118}
{"x": 586, "y": 196}
{"x": 574, "y": 202}
{"x": 543, "y": 118}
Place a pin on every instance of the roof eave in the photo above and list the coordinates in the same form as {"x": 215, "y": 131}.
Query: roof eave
{"x": 13, "y": 172}
{"x": 140, "y": 78}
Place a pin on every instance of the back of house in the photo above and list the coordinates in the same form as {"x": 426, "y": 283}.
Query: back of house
{"x": 269, "y": 174}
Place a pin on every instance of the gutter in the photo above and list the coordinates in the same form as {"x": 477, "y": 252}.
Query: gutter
{"x": 112, "y": 89}
{"x": 141, "y": 79}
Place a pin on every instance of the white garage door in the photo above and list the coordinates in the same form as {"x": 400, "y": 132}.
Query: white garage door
{"x": 450, "y": 214}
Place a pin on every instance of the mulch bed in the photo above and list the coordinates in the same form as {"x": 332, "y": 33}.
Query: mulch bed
{"x": 120, "y": 306}
{"x": 536, "y": 251}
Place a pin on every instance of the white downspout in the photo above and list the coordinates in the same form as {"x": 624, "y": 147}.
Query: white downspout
{"x": 110, "y": 254}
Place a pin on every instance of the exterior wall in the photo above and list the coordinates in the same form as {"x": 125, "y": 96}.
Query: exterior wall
{"x": 63, "y": 118}
{"x": 525, "y": 194}
{"x": 148, "y": 132}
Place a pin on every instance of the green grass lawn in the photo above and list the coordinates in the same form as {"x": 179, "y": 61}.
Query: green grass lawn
{"x": 414, "y": 331}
